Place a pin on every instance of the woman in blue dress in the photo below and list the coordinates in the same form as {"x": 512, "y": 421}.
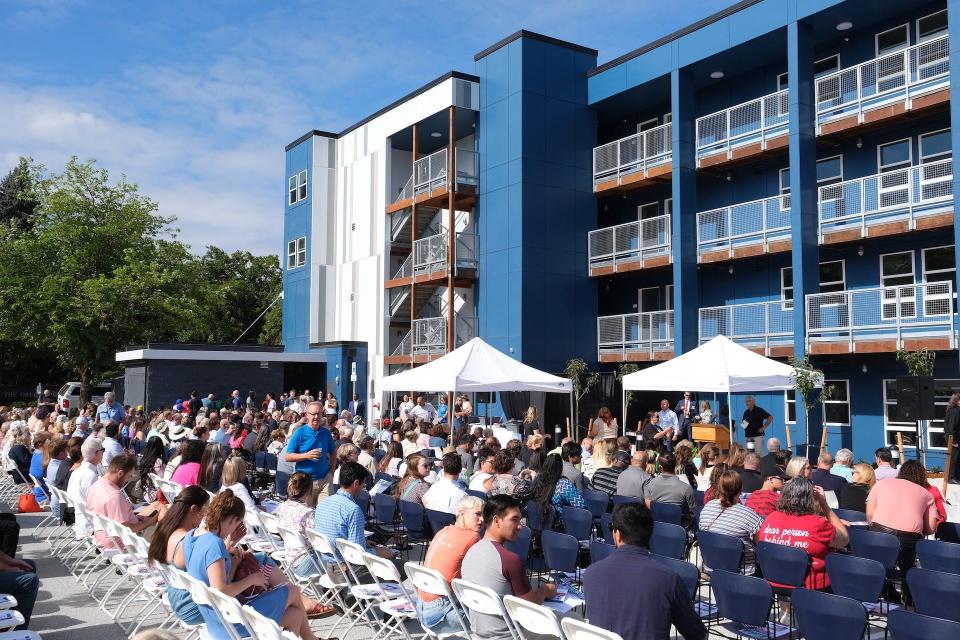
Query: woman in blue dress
{"x": 210, "y": 556}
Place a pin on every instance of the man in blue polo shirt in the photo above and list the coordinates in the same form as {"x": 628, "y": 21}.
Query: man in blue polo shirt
{"x": 312, "y": 448}
{"x": 110, "y": 410}
{"x": 648, "y": 608}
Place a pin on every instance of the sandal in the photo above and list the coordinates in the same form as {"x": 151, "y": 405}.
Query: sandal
{"x": 320, "y": 611}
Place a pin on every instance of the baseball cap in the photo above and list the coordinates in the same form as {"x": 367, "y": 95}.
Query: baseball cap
{"x": 623, "y": 456}
{"x": 775, "y": 474}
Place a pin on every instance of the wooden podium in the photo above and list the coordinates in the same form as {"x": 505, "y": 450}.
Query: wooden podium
{"x": 715, "y": 433}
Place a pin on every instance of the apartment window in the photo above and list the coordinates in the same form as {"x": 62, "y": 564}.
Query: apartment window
{"x": 894, "y": 155}
{"x": 297, "y": 253}
{"x": 649, "y": 210}
{"x": 647, "y": 124}
{"x": 822, "y": 67}
{"x": 893, "y": 424}
{"x": 897, "y": 278}
{"x": 668, "y": 206}
{"x": 836, "y": 406}
{"x": 932, "y": 26}
{"x": 935, "y": 146}
{"x": 649, "y": 299}
{"x": 829, "y": 171}
{"x": 939, "y": 265}
{"x": 893, "y": 39}
{"x": 669, "y": 292}
{"x": 297, "y": 187}
{"x": 826, "y": 66}
{"x": 833, "y": 278}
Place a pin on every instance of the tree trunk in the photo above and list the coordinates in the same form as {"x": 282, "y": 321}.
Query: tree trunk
{"x": 84, "y": 386}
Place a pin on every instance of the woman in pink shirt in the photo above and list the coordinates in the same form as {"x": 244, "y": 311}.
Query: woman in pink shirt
{"x": 188, "y": 471}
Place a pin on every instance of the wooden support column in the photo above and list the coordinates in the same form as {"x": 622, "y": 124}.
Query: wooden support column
{"x": 413, "y": 239}
{"x": 451, "y": 225}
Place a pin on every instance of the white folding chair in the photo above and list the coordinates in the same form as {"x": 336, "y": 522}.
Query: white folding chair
{"x": 20, "y": 635}
{"x": 260, "y": 626}
{"x": 271, "y": 525}
{"x": 400, "y": 608}
{"x": 533, "y": 618}
{"x": 44, "y": 502}
{"x": 230, "y": 612}
{"x": 174, "y": 580}
{"x": 580, "y": 630}
{"x": 9, "y": 619}
{"x": 203, "y": 596}
{"x": 332, "y": 580}
{"x": 482, "y": 600}
{"x": 368, "y": 595}
{"x": 432, "y": 581}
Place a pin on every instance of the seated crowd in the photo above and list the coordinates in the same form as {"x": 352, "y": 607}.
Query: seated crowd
{"x": 221, "y": 459}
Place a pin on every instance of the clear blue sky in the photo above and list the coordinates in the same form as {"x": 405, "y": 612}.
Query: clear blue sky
{"x": 194, "y": 101}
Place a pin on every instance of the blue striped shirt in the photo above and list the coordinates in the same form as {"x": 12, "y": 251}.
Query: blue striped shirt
{"x": 339, "y": 516}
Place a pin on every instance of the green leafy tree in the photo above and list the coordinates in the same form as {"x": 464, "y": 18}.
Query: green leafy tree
{"x": 805, "y": 381}
{"x": 18, "y": 198}
{"x": 95, "y": 269}
{"x": 919, "y": 362}
{"x": 235, "y": 288}
{"x": 271, "y": 331}
{"x": 625, "y": 369}
{"x": 583, "y": 381}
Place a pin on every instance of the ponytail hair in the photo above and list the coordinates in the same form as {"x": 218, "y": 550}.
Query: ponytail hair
{"x": 729, "y": 486}
{"x": 190, "y": 497}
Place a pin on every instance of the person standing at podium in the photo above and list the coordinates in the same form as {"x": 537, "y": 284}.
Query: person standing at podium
{"x": 686, "y": 410}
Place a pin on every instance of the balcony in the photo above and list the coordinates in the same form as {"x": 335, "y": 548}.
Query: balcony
{"x": 635, "y": 337}
{"x": 743, "y": 130}
{"x": 429, "y": 259}
{"x": 885, "y": 87}
{"x": 764, "y": 327}
{"x": 429, "y": 183}
{"x": 628, "y": 247}
{"x": 633, "y": 161}
{"x": 908, "y": 199}
{"x": 745, "y": 229}
{"x": 429, "y": 335}
{"x": 882, "y": 319}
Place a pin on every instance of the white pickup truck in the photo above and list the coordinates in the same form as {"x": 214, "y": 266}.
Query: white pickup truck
{"x": 69, "y": 395}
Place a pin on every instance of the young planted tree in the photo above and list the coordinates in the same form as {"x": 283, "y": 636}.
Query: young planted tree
{"x": 583, "y": 381}
{"x": 805, "y": 381}
{"x": 919, "y": 362}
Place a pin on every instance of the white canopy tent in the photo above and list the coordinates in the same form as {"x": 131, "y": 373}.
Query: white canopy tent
{"x": 476, "y": 366}
{"x": 720, "y": 366}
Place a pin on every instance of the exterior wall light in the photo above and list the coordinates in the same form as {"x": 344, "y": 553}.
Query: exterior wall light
{"x": 846, "y": 25}
{"x": 716, "y": 75}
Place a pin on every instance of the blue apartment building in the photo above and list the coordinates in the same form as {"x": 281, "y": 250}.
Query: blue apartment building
{"x": 780, "y": 173}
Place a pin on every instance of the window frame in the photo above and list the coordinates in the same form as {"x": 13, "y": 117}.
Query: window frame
{"x": 302, "y": 179}
{"x": 847, "y": 402}
{"x": 935, "y": 157}
{"x": 892, "y": 426}
{"x": 655, "y": 120}
{"x": 786, "y": 406}
{"x": 786, "y": 303}
{"x": 824, "y": 59}
{"x": 296, "y": 253}
{"x": 292, "y": 190}
{"x": 928, "y": 38}
{"x": 876, "y": 40}
{"x": 640, "y": 207}
{"x": 843, "y": 280}
{"x": 901, "y": 165}
{"x": 923, "y": 263}
{"x": 884, "y": 301}
{"x": 785, "y": 190}
{"x": 785, "y": 82}
{"x": 913, "y": 268}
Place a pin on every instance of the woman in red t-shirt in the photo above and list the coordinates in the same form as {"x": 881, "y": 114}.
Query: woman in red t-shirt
{"x": 804, "y": 520}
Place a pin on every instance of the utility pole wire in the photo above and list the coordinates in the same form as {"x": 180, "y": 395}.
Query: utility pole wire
{"x": 258, "y": 317}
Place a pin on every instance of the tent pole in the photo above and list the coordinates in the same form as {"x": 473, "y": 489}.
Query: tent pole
{"x": 730, "y": 415}
{"x": 623, "y": 406}
{"x": 571, "y": 408}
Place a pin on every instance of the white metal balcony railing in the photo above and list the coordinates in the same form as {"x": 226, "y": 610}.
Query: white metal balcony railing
{"x": 406, "y": 191}
{"x": 405, "y": 347}
{"x": 647, "y": 333}
{"x": 752, "y": 324}
{"x": 634, "y": 153}
{"x": 430, "y": 172}
{"x": 757, "y": 120}
{"x": 430, "y": 253}
{"x": 406, "y": 268}
{"x": 904, "y": 194}
{"x": 896, "y": 76}
{"x": 430, "y": 334}
{"x": 919, "y": 310}
{"x": 630, "y": 242}
{"x": 759, "y": 221}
